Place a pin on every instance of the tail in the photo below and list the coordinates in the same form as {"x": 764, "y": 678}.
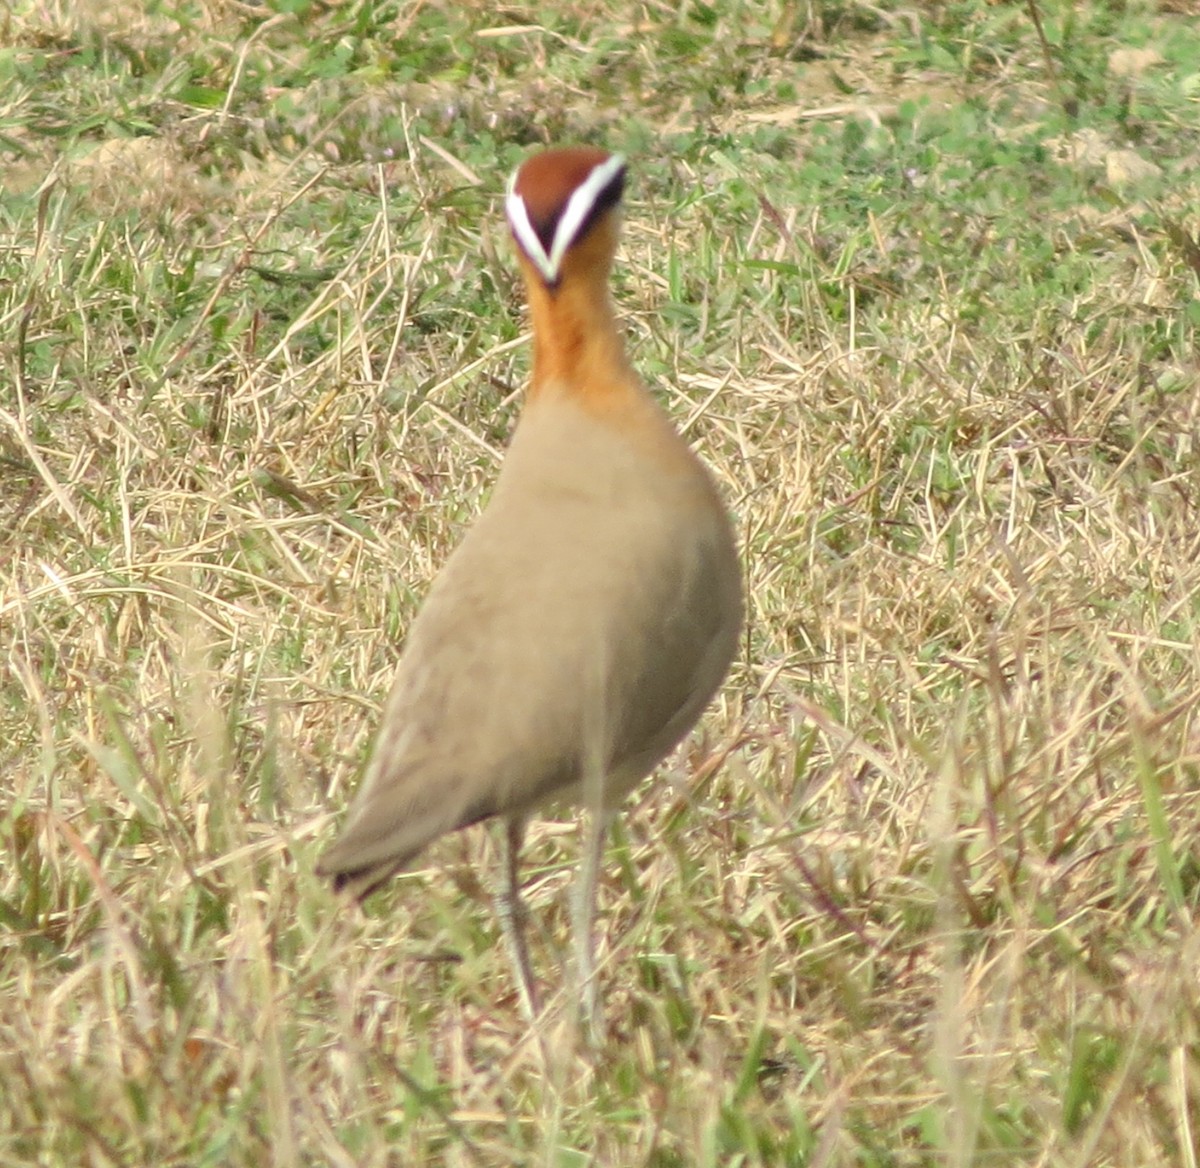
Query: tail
{"x": 359, "y": 883}
{"x": 372, "y": 848}
{"x": 358, "y": 868}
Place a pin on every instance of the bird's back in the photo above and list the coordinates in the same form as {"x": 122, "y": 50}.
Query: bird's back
{"x": 569, "y": 642}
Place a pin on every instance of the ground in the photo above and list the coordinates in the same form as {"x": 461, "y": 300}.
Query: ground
{"x": 921, "y": 282}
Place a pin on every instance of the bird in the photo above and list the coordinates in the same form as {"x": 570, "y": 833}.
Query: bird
{"x": 584, "y": 621}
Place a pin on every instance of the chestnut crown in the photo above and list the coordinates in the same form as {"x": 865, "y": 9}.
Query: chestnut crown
{"x": 556, "y": 197}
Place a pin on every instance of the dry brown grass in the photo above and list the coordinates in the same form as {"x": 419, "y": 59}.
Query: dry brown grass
{"x": 920, "y": 891}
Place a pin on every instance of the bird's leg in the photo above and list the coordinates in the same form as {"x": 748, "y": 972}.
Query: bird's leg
{"x": 510, "y": 908}
{"x": 584, "y": 919}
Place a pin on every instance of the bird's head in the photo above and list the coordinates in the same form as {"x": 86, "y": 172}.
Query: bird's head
{"x": 561, "y": 204}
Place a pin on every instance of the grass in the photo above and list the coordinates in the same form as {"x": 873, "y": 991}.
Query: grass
{"x": 922, "y": 287}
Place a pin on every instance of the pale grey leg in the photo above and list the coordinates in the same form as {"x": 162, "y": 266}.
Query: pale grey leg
{"x": 510, "y": 908}
{"x": 584, "y": 921}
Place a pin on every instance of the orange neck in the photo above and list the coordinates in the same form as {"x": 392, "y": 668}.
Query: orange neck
{"x": 577, "y": 346}
{"x": 579, "y": 353}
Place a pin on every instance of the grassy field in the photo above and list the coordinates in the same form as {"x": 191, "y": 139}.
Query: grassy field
{"x": 921, "y": 282}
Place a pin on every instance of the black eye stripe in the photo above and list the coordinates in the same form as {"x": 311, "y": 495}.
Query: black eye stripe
{"x": 609, "y": 196}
